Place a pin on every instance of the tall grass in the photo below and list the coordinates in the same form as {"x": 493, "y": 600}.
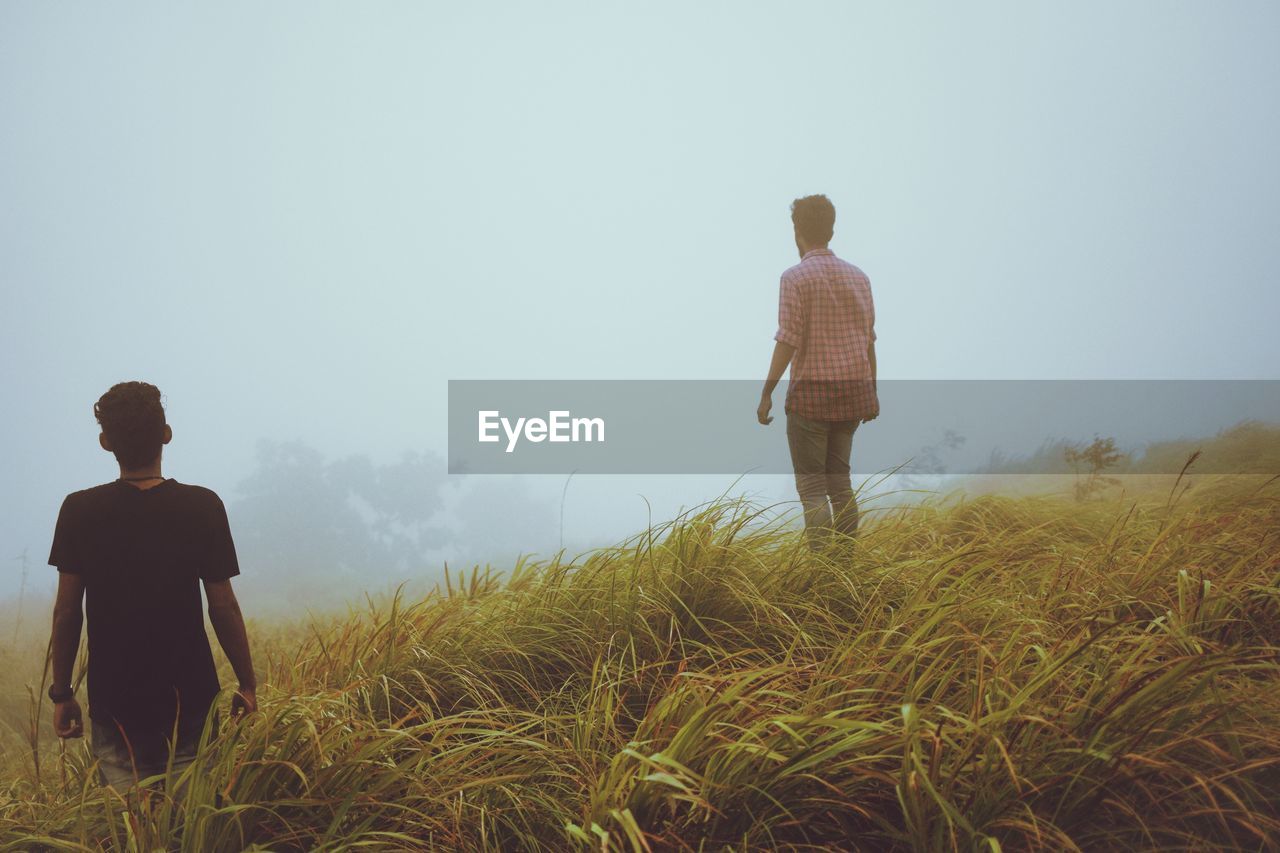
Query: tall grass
{"x": 985, "y": 673}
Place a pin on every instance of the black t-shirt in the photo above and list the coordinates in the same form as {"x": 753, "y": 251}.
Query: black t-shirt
{"x": 142, "y": 554}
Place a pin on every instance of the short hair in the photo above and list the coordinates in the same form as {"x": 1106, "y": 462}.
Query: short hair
{"x": 132, "y": 419}
{"x": 814, "y": 217}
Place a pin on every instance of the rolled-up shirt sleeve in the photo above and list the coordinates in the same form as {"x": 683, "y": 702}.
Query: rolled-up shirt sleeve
{"x": 791, "y": 313}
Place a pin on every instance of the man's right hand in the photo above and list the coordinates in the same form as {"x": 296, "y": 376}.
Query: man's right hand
{"x": 244, "y": 701}
{"x": 67, "y": 721}
{"x": 762, "y": 411}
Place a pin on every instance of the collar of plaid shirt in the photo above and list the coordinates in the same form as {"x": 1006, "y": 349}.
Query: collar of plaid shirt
{"x": 812, "y": 252}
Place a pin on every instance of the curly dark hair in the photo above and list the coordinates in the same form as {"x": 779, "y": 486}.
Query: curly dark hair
{"x": 815, "y": 219}
{"x": 132, "y": 419}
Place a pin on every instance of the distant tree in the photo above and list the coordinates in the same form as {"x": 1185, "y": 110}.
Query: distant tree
{"x": 1089, "y": 462}
{"x": 399, "y": 502}
{"x": 340, "y": 526}
{"x": 929, "y": 460}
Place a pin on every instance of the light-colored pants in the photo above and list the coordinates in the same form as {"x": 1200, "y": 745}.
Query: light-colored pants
{"x": 820, "y": 456}
{"x": 122, "y": 761}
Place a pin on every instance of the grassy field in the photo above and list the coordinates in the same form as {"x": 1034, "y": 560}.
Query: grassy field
{"x": 979, "y": 673}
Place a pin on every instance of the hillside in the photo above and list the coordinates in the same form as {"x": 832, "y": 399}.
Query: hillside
{"x": 1249, "y": 447}
{"x": 983, "y": 673}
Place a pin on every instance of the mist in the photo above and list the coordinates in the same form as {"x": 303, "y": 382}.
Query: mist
{"x": 301, "y": 220}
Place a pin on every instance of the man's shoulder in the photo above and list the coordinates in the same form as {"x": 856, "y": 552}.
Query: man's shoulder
{"x": 854, "y": 269}
{"x": 848, "y": 267}
{"x": 91, "y": 495}
{"x": 797, "y": 273}
{"x": 201, "y": 495}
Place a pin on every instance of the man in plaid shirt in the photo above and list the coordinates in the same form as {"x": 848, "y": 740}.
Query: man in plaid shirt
{"x": 826, "y": 332}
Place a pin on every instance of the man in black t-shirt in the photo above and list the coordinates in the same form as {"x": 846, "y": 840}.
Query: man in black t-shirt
{"x": 136, "y": 551}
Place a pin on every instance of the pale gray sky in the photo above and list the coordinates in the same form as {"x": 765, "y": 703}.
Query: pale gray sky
{"x": 301, "y": 219}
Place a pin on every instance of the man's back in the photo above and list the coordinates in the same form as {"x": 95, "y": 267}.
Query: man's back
{"x": 142, "y": 554}
{"x": 826, "y": 312}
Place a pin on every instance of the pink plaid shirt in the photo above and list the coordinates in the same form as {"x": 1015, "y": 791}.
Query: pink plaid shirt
{"x": 825, "y": 312}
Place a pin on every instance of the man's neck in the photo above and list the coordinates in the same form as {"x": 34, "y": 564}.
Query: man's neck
{"x": 145, "y": 477}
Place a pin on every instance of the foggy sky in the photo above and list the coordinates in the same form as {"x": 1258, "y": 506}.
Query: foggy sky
{"x": 300, "y": 220}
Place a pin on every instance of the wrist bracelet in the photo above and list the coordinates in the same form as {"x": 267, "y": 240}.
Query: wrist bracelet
{"x": 61, "y": 694}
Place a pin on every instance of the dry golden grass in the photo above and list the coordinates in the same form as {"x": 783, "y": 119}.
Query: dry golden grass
{"x": 984, "y": 673}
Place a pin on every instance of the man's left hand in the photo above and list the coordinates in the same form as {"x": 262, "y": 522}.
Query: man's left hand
{"x": 762, "y": 411}
{"x": 67, "y": 721}
{"x": 244, "y": 702}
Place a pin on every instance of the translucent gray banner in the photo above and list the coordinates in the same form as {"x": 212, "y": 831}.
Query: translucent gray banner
{"x": 924, "y": 427}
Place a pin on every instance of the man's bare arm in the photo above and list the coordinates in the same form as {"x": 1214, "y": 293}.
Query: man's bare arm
{"x": 782, "y": 354}
{"x": 68, "y": 618}
{"x": 228, "y": 624}
{"x": 871, "y": 358}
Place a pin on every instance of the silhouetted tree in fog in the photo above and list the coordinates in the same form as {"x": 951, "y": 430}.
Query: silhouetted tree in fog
{"x": 347, "y": 523}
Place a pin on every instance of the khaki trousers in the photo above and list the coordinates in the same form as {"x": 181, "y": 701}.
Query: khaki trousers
{"x": 820, "y": 456}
